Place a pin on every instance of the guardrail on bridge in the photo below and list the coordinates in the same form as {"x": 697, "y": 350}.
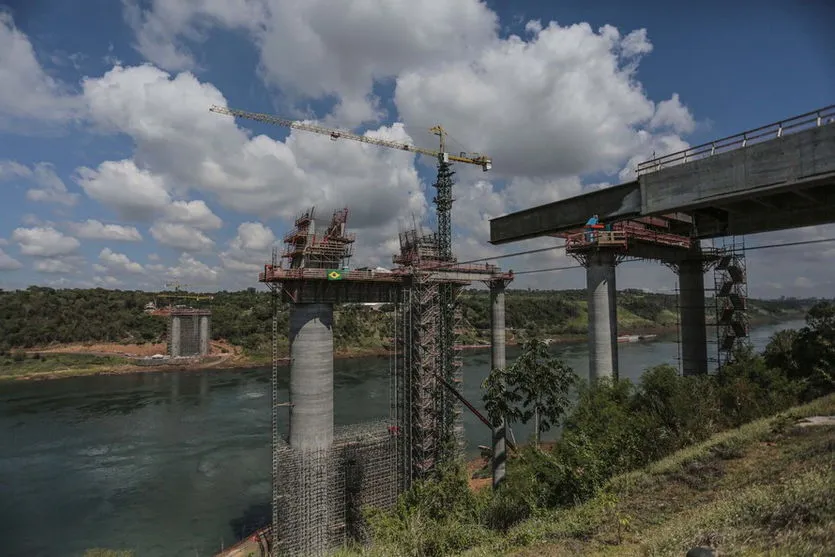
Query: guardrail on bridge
{"x": 806, "y": 121}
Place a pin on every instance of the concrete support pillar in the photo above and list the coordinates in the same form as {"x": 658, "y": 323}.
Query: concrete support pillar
{"x": 691, "y": 285}
{"x": 175, "y": 337}
{"x": 602, "y": 309}
{"x": 498, "y": 361}
{"x": 311, "y": 376}
{"x": 204, "y": 335}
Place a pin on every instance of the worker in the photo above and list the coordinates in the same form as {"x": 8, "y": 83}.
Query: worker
{"x": 590, "y": 224}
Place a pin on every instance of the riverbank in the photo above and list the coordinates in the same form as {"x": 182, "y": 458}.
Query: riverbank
{"x": 60, "y": 361}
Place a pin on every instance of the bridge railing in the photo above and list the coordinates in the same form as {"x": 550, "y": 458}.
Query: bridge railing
{"x": 812, "y": 119}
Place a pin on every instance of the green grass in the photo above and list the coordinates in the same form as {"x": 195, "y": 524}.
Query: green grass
{"x": 767, "y": 488}
{"x": 15, "y": 366}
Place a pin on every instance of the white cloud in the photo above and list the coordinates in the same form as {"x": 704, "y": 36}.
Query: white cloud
{"x": 548, "y": 105}
{"x": 44, "y": 242}
{"x": 673, "y": 114}
{"x": 28, "y": 92}
{"x": 803, "y": 282}
{"x": 249, "y": 250}
{"x": 651, "y": 146}
{"x": 309, "y": 50}
{"x": 95, "y": 230}
{"x": 561, "y": 103}
{"x": 49, "y": 187}
{"x": 107, "y": 281}
{"x": 194, "y": 213}
{"x": 180, "y": 146}
{"x": 253, "y": 236}
{"x": 118, "y": 263}
{"x": 134, "y": 193}
{"x": 54, "y": 266}
{"x": 181, "y": 236}
{"x": 158, "y": 29}
{"x": 196, "y": 272}
{"x": 8, "y": 263}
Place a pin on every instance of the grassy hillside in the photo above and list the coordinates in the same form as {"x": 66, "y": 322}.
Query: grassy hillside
{"x": 43, "y": 316}
{"x": 768, "y": 486}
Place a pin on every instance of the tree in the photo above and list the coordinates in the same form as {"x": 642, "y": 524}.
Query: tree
{"x": 814, "y": 351}
{"x": 535, "y": 386}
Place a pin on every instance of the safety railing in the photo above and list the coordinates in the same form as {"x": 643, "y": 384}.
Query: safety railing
{"x": 624, "y": 233}
{"x": 608, "y": 238}
{"x": 275, "y": 273}
{"x": 776, "y": 130}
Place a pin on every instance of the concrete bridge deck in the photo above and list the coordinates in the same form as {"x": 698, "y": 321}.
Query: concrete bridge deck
{"x": 776, "y": 177}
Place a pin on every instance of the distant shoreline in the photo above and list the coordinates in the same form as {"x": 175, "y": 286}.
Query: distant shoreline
{"x": 226, "y": 362}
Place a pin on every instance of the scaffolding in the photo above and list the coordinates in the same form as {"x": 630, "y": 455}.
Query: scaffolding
{"x": 275, "y": 437}
{"x": 307, "y": 247}
{"x": 427, "y": 328}
{"x": 731, "y": 299}
{"x": 189, "y": 332}
{"x": 418, "y": 376}
{"x": 318, "y": 494}
{"x": 339, "y": 482}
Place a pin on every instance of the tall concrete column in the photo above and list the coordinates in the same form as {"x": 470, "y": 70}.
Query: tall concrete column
{"x": 691, "y": 285}
{"x": 175, "y": 337}
{"x": 311, "y": 376}
{"x": 498, "y": 361}
{"x": 204, "y": 335}
{"x": 602, "y": 309}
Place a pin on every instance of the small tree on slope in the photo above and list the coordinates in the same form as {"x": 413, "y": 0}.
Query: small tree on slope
{"x": 535, "y": 386}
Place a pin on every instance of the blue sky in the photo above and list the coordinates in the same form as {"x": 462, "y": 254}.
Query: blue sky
{"x": 109, "y": 122}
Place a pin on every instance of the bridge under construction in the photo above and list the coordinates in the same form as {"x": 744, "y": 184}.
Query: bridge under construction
{"x": 775, "y": 177}
{"x": 323, "y": 476}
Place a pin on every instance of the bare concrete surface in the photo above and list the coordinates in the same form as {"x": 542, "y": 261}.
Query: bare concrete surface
{"x": 812, "y": 421}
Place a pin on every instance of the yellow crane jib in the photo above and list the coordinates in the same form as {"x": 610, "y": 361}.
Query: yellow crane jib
{"x": 486, "y": 163}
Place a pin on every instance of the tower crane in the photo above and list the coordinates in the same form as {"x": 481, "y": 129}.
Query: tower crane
{"x": 443, "y": 200}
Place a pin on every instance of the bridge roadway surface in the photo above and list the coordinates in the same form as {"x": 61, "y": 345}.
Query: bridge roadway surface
{"x": 776, "y": 177}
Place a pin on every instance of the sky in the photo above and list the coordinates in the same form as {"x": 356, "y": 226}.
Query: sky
{"x": 114, "y": 173}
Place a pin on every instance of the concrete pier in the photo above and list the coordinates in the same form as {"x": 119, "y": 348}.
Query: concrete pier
{"x": 691, "y": 280}
{"x": 498, "y": 361}
{"x": 602, "y": 310}
{"x": 204, "y": 335}
{"x": 311, "y": 376}
{"x": 174, "y": 338}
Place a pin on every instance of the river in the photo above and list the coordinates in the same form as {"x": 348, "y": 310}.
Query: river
{"x": 170, "y": 464}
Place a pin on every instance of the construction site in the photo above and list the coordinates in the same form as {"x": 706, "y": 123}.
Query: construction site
{"x": 321, "y": 476}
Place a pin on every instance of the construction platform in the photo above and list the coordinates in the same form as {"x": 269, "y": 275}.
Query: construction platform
{"x": 642, "y": 238}
{"x": 305, "y": 285}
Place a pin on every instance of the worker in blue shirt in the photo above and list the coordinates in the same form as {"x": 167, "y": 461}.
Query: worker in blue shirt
{"x": 589, "y": 230}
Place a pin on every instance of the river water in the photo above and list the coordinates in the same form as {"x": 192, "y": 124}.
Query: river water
{"x": 170, "y": 464}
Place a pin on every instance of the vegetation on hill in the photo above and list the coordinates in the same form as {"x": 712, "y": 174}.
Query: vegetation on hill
{"x": 655, "y": 468}
{"x": 39, "y": 316}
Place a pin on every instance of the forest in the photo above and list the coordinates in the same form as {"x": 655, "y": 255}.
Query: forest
{"x": 39, "y": 316}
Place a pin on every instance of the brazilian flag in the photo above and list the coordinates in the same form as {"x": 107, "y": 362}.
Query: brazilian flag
{"x": 334, "y": 274}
